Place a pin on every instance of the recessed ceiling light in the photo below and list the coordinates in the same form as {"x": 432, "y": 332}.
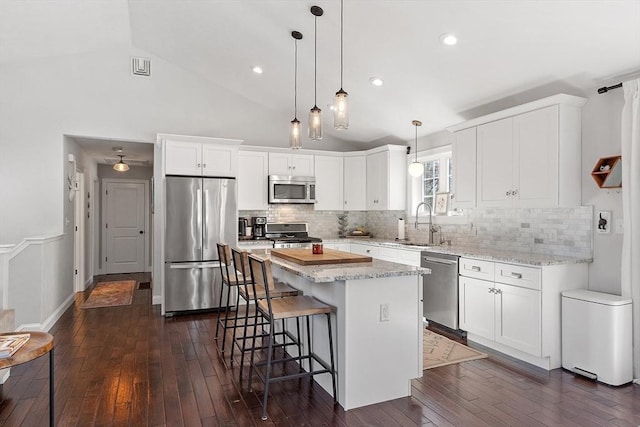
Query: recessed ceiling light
{"x": 448, "y": 39}
{"x": 376, "y": 81}
{"x": 257, "y": 69}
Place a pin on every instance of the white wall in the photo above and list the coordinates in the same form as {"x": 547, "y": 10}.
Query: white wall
{"x": 600, "y": 138}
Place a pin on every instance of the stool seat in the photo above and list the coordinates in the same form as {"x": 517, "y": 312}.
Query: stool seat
{"x": 280, "y": 290}
{"x": 298, "y": 306}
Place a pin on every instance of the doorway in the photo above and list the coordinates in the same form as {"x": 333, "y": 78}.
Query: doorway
{"x": 125, "y": 225}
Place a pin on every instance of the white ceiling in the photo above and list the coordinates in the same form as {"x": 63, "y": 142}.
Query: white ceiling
{"x": 509, "y": 52}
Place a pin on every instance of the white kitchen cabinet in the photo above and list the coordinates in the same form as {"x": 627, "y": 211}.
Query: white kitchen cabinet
{"x": 214, "y": 157}
{"x": 530, "y": 160}
{"x": 387, "y": 179}
{"x": 385, "y": 253}
{"x": 291, "y": 164}
{"x": 329, "y": 183}
{"x": 355, "y": 183}
{"x": 363, "y": 249}
{"x": 515, "y": 309}
{"x": 463, "y": 193}
{"x": 253, "y": 173}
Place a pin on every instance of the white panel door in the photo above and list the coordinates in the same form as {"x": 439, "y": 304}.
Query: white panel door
{"x": 355, "y": 183}
{"x": 519, "y": 318}
{"x": 495, "y": 164}
{"x": 536, "y": 142}
{"x": 329, "y": 183}
{"x": 463, "y": 194}
{"x": 125, "y": 227}
{"x": 183, "y": 158}
{"x": 253, "y": 168}
{"x": 476, "y": 301}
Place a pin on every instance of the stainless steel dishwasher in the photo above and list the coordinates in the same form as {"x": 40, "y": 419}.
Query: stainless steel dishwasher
{"x": 440, "y": 288}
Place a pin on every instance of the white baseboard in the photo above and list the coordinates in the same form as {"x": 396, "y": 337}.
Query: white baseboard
{"x": 88, "y": 282}
{"x": 157, "y": 299}
{"x": 51, "y": 320}
{"x": 4, "y": 374}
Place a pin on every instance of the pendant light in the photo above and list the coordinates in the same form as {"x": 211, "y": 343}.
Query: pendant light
{"x": 416, "y": 168}
{"x": 121, "y": 166}
{"x": 340, "y": 102}
{"x": 315, "y": 114}
{"x": 294, "y": 138}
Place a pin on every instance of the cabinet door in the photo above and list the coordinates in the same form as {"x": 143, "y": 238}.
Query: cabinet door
{"x": 362, "y": 249}
{"x": 495, "y": 164}
{"x": 302, "y": 165}
{"x": 519, "y": 318}
{"x": 279, "y": 164}
{"x": 377, "y": 177}
{"x": 355, "y": 183}
{"x": 252, "y": 180}
{"x": 344, "y": 247}
{"x": 219, "y": 160}
{"x": 536, "y": 158}
{"x": 464, "y": 169}
{"x": 183, "y": 158}
{"x": 329, "y": 196}
{"x": 476, "y": 305}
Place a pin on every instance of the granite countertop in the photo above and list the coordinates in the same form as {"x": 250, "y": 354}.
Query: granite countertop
{"x": 498, "y": 255}
{"x": 349, "y": 271}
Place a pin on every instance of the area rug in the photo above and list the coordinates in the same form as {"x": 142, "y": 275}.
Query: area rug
{"x": 441, "y": 351}
{"x": 109, "y": 294}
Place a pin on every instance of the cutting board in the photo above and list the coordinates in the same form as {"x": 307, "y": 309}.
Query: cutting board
{"x": 330, "y": 256}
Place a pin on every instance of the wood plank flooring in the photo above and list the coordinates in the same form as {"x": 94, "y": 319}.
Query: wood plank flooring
{"x": 129, "y": 366}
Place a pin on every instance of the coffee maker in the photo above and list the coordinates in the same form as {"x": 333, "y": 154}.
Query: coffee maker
{"x": 243, "y": 223}
{"x": 259, "y": 223}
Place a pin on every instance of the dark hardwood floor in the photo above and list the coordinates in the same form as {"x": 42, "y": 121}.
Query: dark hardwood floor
{"x": 129, "y": 366}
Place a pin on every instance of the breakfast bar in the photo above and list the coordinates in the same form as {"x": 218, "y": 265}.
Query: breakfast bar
{"x": 377, "y": 322}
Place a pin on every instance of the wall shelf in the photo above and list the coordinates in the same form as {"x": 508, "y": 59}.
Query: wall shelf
{"x": 607, "y": 173}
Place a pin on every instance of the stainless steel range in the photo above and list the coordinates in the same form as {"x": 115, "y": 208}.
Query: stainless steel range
{"x": 290, "y": 235}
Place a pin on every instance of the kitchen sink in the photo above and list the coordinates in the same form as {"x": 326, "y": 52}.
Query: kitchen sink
{"x": 417, "y": 244}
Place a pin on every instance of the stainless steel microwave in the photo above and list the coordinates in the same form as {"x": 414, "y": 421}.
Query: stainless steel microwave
{"x": 292, "y": 189}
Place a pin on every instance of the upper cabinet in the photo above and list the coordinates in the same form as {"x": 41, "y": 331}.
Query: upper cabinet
{"x": 201, "y": 156}
{"x": 355, "y": 183}
{"x": 329, "y": 180}
{"x": 252, "y": 180}
{"x": 463, "y": 193}
{"x": 291, "y": 164}
{"x": 527, "y": 156}
{"x": 387, "y": 179}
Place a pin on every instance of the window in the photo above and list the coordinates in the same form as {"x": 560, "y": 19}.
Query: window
{"x": 437, "y": 177}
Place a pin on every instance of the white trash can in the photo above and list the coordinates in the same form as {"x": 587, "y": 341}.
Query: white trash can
{"x": 596, "y": 336}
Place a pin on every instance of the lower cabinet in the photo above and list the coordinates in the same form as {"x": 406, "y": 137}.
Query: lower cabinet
{"x": 401, "y": 256}
{"x": 506, "y": 314}
{"x": 344, "y": 247}
{"x": 515, "y": 309}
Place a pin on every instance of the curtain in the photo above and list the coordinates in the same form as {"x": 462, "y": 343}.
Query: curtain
{"x": 630, "y": 135}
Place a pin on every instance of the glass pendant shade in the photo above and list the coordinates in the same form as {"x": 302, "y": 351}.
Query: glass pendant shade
{"x": 121, "y": 166}
{"x": 294, "y": 138}
{"x": 341, "y": 110}
{"x": 315, "y": 123}
{"x": 416, "y": 169}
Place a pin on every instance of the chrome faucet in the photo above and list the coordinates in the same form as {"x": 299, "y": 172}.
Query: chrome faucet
{"x": 432, "y": 229}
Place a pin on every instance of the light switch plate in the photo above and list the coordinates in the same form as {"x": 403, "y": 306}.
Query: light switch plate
{"x": 619, "y": 225}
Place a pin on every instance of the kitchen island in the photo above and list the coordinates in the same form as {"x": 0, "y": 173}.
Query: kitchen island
{"x": 377, "y": 325}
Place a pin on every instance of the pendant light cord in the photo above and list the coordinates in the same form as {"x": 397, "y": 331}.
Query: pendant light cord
{"x": 416, "y": 126}
{"x": 295, "y": 83}
{"x": 315, "y": 62}
{"x": 341, "y": 40}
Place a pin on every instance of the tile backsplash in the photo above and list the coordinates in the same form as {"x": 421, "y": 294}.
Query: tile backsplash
{"x": 556, "y": 231}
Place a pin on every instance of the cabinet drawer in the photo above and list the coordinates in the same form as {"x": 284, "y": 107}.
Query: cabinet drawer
{"x": 476, "y": 268}
{"x": 518, "y": 275}
{"x": 369, "y": 250}
{"x": 401, "y": 256}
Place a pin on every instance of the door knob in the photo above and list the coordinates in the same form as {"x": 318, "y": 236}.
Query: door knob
{"x": 141, "y": 232}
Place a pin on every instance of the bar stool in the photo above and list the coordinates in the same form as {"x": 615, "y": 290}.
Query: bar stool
{"x": 297, "y": 308}
{"x": 230, "y": 282}
{"x": 251, "y": 294}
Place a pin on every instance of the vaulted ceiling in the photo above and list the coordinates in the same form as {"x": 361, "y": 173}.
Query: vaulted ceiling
{"x": 508, "y": 52}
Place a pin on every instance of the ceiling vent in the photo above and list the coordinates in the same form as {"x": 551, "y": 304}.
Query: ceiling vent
{"x": 140, "y": 67}
{"x": 128, "y": 161}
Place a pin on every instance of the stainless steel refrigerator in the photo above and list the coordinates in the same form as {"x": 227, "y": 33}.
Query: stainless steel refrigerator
{"x": 200, "y": 212}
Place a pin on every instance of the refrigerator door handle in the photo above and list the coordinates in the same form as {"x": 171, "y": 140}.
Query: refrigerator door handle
{"x": 205, "y": 222}
{"x": 189, "y": 265}
{"x": 199, "y": 214}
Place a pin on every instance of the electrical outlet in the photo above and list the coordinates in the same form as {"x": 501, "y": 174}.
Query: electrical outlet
{"x": 384, "y": 312}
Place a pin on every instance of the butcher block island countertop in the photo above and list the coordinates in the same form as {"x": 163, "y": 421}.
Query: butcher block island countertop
{"x": 329, "y": 256}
